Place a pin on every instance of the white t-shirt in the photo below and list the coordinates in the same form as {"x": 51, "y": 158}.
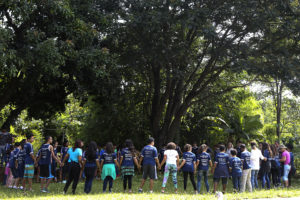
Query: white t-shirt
{"x": 171, "y": 156}
{"x": 254, "y": 159}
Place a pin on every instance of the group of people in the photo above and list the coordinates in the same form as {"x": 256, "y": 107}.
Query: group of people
{"x": 243, "y": 167}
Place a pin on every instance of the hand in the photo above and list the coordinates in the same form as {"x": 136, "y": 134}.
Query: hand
{"x": 62, "y": 164}
{"x": 178, "y": 168}
{"x": 195, "y": 172}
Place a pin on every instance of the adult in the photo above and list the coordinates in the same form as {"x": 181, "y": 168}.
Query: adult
{"x": 255, "y": 158}
{"x": 30, "y": 162}
{"x": 45, "y": 156}
{"x": 75, "y": 155}
{"x": 203, "y": 163}
{"x": 65, "y": 169}
{"x": 266, "y": 165}
{"x": 127, "y": 161}
{"x": 290, "y": 148}
{"x": 229, "y": 148}
{"x": 275, "y": 166}
{"x": 285, "y": 159}
{"x": 149, "y": 158}
{"x": 90, "y": 164}
{"x": 246, "y": 174}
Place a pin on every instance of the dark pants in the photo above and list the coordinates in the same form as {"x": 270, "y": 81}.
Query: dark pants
{"x": 129, "y": 179}
{"x": 275, "y": 176}
{"x": 74, "y": 173}
{"x": 89, "y": 176}
{"x": 110, "y": 180}
{"x": 185, "y": 178}
{"x": 65, "y": 171}
{"x": 236, "y": 181}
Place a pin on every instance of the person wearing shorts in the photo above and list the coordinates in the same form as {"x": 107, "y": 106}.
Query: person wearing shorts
{"x": 285, "y": 159}
{"x": 13, "y": 164}
{"x": 45, "y": 155}
{"x": 30, "y": 161}
{"x": 150, "y": 160}
{"x": 21, "y": 164}
{"x": 220, "y": 169}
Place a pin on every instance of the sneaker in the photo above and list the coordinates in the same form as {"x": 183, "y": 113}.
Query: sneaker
{"x": 46, "y": 190}
{"x": 151, "y": 191}
{"x": 129, "y": 191}
{"x": 21, "y": 187}
{"x": 43, "y": 190}
{"x": 64, "y": 181}
{"x": 15, "y": 187}
{"x": 196, "y": 192}
{"x": 140, "y": 190}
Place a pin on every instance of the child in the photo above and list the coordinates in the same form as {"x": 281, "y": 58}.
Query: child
{"x": 64, "y": 170}
{"x": 188, "y": 166}
{"x": 108, "y": 159}
{"x": 220, "y": 169}
{"x": 149, "y": 158}
{"x": 171, "y": 158}
{"x": 246, "y": 174}
{"x": 54, "y": 163}
{"x": 127, "y": 161}
{"x": 21, "y": 164}
{"x": 235, "y": 166}
{"x": 30, "y": 162}
{"x": 203, "y": 163}
{"x": 13, "y": 164}
{"x": 9, "y": 176}
{"x": 46, "y": 154}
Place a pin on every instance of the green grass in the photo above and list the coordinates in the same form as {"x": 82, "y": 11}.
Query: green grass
{"x": 56, "y": 192}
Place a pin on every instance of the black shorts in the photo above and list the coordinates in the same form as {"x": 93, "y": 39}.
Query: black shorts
{"x": 45, "y": 171}
{"x": 14, "y": 172}
{"x": 224, "y": 180}
{"x": 149, "y": 170}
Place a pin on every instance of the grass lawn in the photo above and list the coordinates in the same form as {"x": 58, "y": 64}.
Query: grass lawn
{"x": 57, "y": 188}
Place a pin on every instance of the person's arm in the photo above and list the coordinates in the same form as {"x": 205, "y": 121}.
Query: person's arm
{"x": 117, "y": 164}
{"x": 141, "y": 160}
{"x": 283, "y": 159}
{"x": 121, "y": 160}
{"x": 213, "y": 168}
{"x": 65, "y": 158}
{"x": 182, "y": 164}
{"x": 101, "y": 165}
{"x": 157, "y": 163}
{"x": 197, "y": 164}
{"x": 177, "y": 161}
{"x": 98, "y": 163}
{"x": 53, "y": 155}
{"x": 136, "y": 163}
{"x": 210, "y": 163}
{"x": 163, "y": 161}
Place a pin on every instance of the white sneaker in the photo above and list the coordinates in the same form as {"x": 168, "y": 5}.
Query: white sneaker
{"x": 151, "y": 191}
{"x": 64, "y": 181}
{"x": 21, "y": 187}
{"x": 15, "y": 187}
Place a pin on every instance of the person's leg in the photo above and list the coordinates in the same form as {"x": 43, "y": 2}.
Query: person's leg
{"x": 216, "y": 181}
{"x": 249, "y": 185}
{"x": 234, "y": 183}
{"x": 166, "y": 176}
{"x": 105, "y": 184}
{"x": 76, "y": 178}
{"x": 193, "y": 180}
{"x": 185, "y": 176}
{"x": 125, "y": 178}
{"x": 224, "y": 183}
{"x": 70, "y": 178}
{"x": 174, "y": 176}
{"x": 255, "y": 178}
{"x": 129, "y": 178}
{"x": 146, "y": 172}
{"x": 285, "y": 175}
{"x": 263, "y": 180}
{"x": 42, "y": 183}
{"x": 199, "y": 177}
{"x": 151, "y": 184}
{"x": 205, "y": 175}
{"x": 252, "y": 178}
{"x": 244, "y": 179}
{"x": 110, "y": 183}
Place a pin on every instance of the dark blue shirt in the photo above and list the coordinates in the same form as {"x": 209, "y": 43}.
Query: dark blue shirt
{"x": 149, "y": 153}
{"x": 292, "y": 159}
{"x": 63, "y": 152}
{"x": 6, "y": 156}
{"x": 161, "y": 153}
{"x": 127, "y": 157}
{"x": 190, "y": 159}
{"x": 21, "y": 157}
{"x": 108, "y": 158}
{"x": 235, "y": 164}
{"x": 222, "y": 161}
{"x": 245, "y": 157}
{"x": 203, "y": 159}
{"x": 29, "y": 150}
{"x": 13, "y": 157}
{"x": 45, "y": 154}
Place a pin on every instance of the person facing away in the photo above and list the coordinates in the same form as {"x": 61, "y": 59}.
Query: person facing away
{"x": 45, "y": 156}
{"x": 127, "y": 161}
{"x": 266, "y": 165}
{"x": 63, "y": 152}
{"x": 13, "y": 164}
{"x": 220, "y": 169}
{"x": 290, "y": 148}
{"x": 285, "y": 159}
{"x": 171, "y": 158}
{"x": 188, "y": 166}
{"x": 256, "y": 157}
{"x": 246, "y": 175}
{"x": 195, "y": 148}
{"x": 30, "y": 162}
{"x": 235, "y": 166}
{"x": 203, "y": 163}
{"x": 150, "y": 160}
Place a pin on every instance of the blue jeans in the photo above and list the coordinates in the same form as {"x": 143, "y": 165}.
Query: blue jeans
{"x": 89, "y": 173}
{"x": 286, "y": 171}
{"x": 254, "y": 182}
{"x": 266, "y": 179}
{"x": 199, "y": 177}
{"x": 236, "y": 181}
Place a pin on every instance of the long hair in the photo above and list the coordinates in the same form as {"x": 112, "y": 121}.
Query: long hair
{"x": 130, "y": 146}
{"x": 109, "y": 148}
{"x": 91, "y": 152}
{"x": 274, "y": 150}
{"x": 77, "y": 144}
{"x": 266, "y": 146}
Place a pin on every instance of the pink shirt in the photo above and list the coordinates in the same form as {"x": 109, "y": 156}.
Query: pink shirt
{"x": 286, "y": 154}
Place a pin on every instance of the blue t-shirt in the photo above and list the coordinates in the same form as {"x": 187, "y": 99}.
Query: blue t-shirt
{"x": 203, "y": 159}
{"x": 245, "y": 157}
{"x": 45, "y": 154}
{"x": 127, "y": 157}
{"x": 222, "y": 161}
{"x": 190, "y": 159}
{"x": 161, "y": 153}
{"x": 5, "y": 156}
{"x": 109, "y": 158}
{"x": 21, "y": 157}
{"x": 29, "y": 150}
{"x": 13, "y": 157}
{"x": 266, "y": 154}
{"x": 74, "y": 154}
{"x": 235, "y": 164}
{"x": 149, "y": 153}
{"x": 292, "y": 159}
{"x": 63, "y": 152}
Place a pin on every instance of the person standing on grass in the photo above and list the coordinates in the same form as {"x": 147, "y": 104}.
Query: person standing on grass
{"x": 30, "y": 162}
{"x": 46, "y": 154}
{"x": 255, "y": 158}
{"x": 149, "y": 158}
{"x": 220, "y": 169}
{"x": 54, "y": 163}
{"x": 64, "y": 170}
{"x": 127, "y": 161}
{"x": 286, "y": 160}
{"x": 108, "y": 166}
{"x": 266, "y": 165}
{"x": 235, "y": 166}
{"x": 171, "y": 158}
{"x": 246, "y": 175}
{"x": 21, "y": 164}
{"x": 13, "y": 164}
{"x": 74, "y": 154}
{"x": 90, "y": 165}
{"x": 203, "y": 163}
{"x": 188, "y": 166}
{"x": 8, "y": 170}
{"x": 292, "y": 163}
{"x": 275, "y": 166}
